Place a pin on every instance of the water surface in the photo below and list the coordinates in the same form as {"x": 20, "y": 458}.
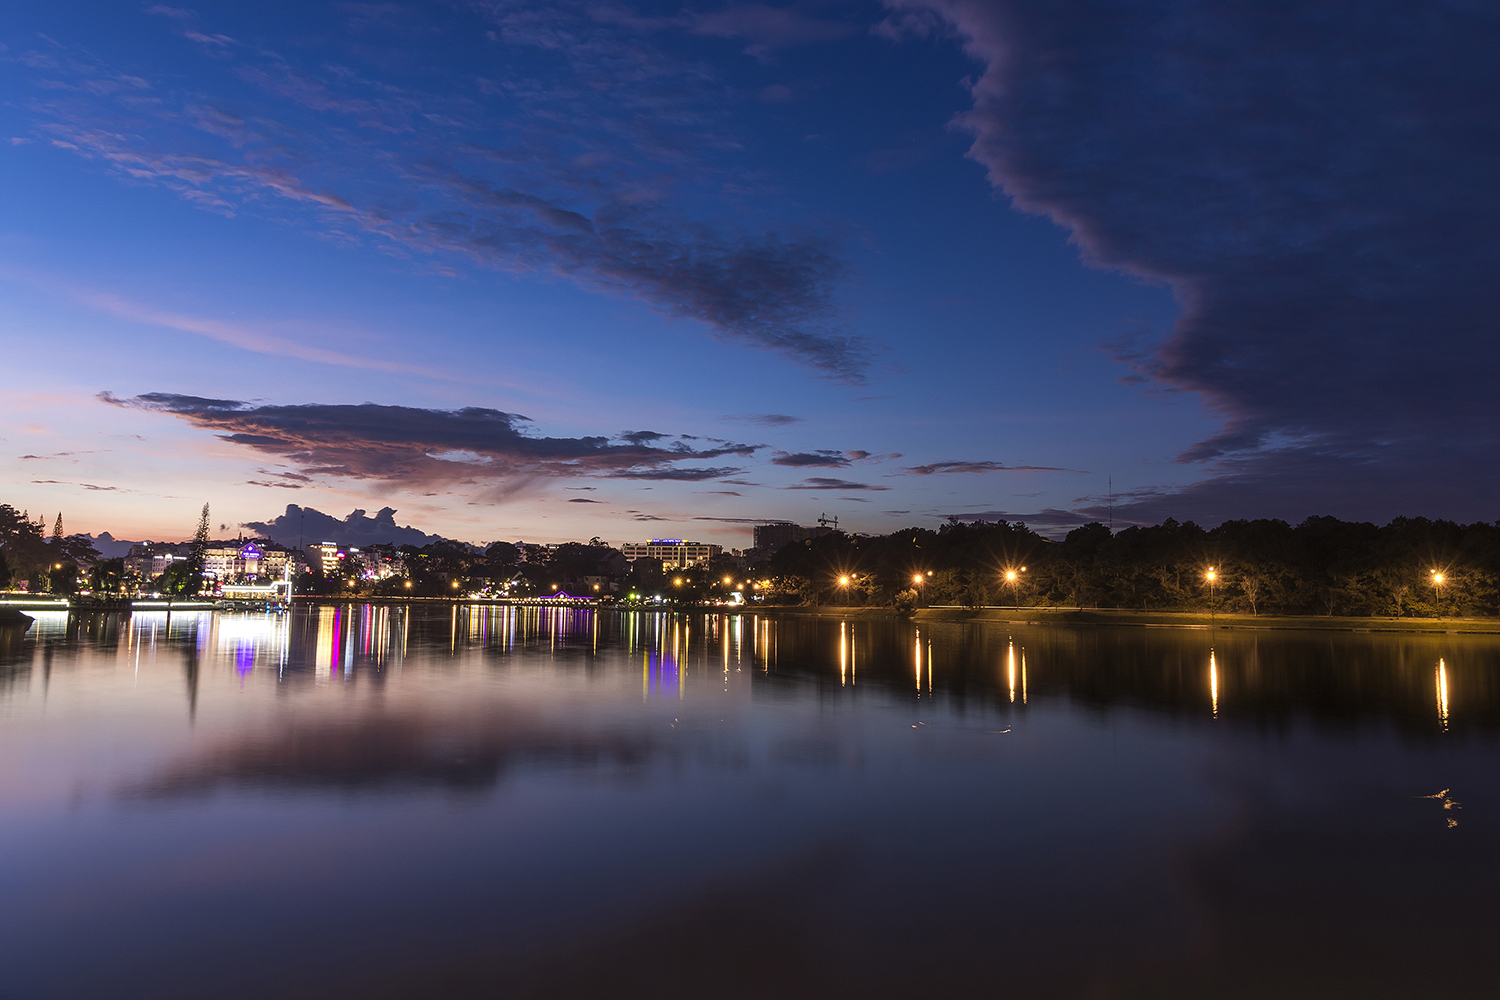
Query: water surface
{"x": 366, "y": 801}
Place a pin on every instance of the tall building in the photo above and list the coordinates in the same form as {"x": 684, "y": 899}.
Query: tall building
{"x": 770, "y": 537}
{"x": 673, "y": 552}
{"x": 323, "y": 558}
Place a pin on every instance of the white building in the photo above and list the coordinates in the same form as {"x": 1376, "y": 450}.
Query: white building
{"x": 232, "y": 560}
{"x": 674, "y": 553}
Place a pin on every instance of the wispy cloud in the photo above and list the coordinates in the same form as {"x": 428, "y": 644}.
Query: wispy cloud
{"x": 823, "y": 483}
{"x": 936, "y": 468}
{"x": 768, "y": 419}
{"x": 577, "y": 192}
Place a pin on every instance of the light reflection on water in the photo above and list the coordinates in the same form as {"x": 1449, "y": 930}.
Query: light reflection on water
{"x": 373, "y": 800}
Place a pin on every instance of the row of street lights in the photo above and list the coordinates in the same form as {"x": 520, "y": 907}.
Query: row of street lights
{"x": 1210, "y": 576}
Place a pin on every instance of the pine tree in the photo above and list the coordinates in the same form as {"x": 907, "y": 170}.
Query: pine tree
{"x": 57, "y": 535}
{"x": 200, "y": 537}
{"x": 200, "y": 551}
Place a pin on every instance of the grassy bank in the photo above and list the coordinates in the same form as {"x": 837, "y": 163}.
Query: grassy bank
{"x": 1158, "y": 619}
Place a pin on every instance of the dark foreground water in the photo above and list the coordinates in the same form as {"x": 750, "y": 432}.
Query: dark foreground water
{"x": 381, "y": 802}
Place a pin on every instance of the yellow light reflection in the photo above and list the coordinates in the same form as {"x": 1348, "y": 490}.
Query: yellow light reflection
{"x": 919, "y": 661}
{"x": 1010, "y": 670}
{"x": 1442, "y": 693}
{"x": 1213, "y": 681}
{"x": 843, "y": 651}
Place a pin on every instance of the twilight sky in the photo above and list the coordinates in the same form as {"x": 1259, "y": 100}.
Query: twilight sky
{"x": 556, "y": 270}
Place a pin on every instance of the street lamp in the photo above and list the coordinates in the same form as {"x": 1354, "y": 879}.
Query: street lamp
{"x": 1437, "y": 586}
{"x": 843, "y": 581}
{"x": 1212, "y": 577}
{"x": 917, "y": 579}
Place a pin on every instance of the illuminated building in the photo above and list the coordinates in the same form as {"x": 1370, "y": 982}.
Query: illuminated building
{"x": 673, "y": 552}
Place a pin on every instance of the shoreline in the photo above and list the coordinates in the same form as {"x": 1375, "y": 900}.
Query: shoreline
{"x": 1170, "y": 619}
{"x": 1073, "y": 617}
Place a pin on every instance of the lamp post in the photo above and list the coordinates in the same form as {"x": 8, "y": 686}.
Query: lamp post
{"x": 1437, "y": 589}
{"x": 1013, "y": 578}
{"x": 1212, "y": 577}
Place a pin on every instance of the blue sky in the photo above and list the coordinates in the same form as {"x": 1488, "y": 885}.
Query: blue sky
{"x": 986, "y": 255}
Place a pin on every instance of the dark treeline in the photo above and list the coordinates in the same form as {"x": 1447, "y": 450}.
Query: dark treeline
{"x": 1409, "y": 567}
{"x": 47, "y": 562}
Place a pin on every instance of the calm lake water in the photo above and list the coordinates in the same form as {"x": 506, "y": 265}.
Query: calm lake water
{"x": 373, "y": 802}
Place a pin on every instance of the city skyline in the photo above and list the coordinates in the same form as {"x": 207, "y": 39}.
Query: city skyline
{"x": 565, "y": 270}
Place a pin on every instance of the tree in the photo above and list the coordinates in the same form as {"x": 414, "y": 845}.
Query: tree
{"x": 63, "y": 578}
{"x": 108, "y": 576}
{"x": 194, "y": 581}
{"x": 1251, "y": 585}
{"x": 180, "y": 579}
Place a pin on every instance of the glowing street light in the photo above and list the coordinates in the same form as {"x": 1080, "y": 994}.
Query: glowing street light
{"x": 843, "y": 581}
{"x": 918, "y": 579}
{"x": 1212, "y": 577}
{"x": 1013, "y": 579}
{"x": 1437, "y": 585}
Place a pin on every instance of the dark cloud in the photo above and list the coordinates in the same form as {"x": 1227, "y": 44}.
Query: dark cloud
{"x": 823, "y": 483}
{"x": 642, "y": 437}
{"x": 677, "y": 475}
{"x": 413, "y": 445}
{"x": 769, "y": 419}
{"x": 1295, "y": 483}
{"x": 768, "y": 289}
{"x": 1314, "y": 181}
{"x": 583, "y": 500}
{"x": 816, "y": 459}
{"x": 296, "y": 526}
{"x": 941, "y": 467}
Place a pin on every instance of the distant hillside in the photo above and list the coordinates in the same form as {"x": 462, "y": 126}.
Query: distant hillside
{"x": 109, "y": 546}
{"x": 304, "y": 525}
